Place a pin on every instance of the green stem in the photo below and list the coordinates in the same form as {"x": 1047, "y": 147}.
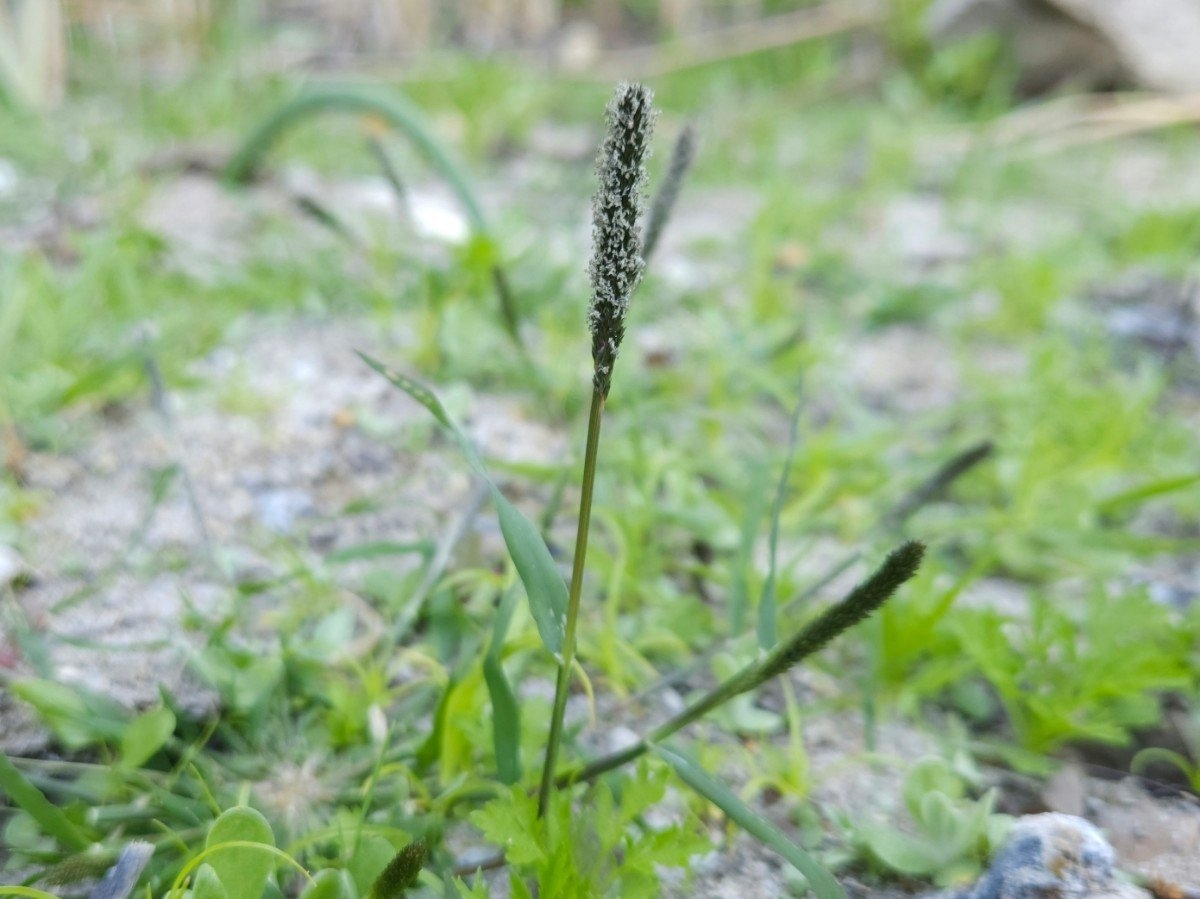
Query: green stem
{"x": 568, "y": 654}
{"x": 864, "y": 599}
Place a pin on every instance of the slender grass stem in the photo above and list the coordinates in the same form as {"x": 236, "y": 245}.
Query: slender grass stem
{"x": 568, "y": 654}
{"x": 864, "y": 599}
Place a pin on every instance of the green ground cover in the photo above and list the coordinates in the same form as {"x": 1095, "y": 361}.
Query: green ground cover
{"x": 711, "y": 529}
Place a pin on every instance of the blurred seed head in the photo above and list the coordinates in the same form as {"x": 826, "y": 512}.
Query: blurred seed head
{"x": 682, "y": 157}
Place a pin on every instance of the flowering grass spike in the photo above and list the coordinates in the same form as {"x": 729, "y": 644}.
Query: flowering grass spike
{"x": 617, "y": 264}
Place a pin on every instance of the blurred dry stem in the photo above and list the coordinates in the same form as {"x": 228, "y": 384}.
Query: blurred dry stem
{"x": 742, "y": 39}
{"x": 33, "y": 58}
{"x": 1091, "y": 118}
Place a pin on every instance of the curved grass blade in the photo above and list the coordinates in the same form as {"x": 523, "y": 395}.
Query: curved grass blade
{"x": 543, "y": 583}
{"x": 1120, "y": 501}
{"x": 819, "y": 880}
{"x": 404, "y": 117}
{"x": 395, "y": 110}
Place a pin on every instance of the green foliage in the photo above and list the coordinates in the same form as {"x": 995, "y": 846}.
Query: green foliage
{"x": 1093, "y": 672}
{"x": 975, "y": 73}
{"x": 608, "y": 850}
{"x": 506, "y": 713}
{"x": 953, "y": 835}
{"x": 69, "y": 336}
{"x": 358, "y": 735}
{"x": 1165, "y": 236}
{"x": 29, "y": 798}
{"x": 1027, "y": 289}
{"x": 544, "y": 585}
{"x": 331, "y": 884}
{"x": 234, "y": 856}
{"x": 245, "y": 677}
{"x": 915, "y": 656}
{"x": 819, "y": 880}
{"x": 1074, "y": 436}
{"x": 78, "y": 717}
{"x": 398, "y": 113}
{"x": 145, "y": 735}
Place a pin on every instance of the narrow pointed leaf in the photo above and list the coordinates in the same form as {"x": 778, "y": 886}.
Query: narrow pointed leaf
{"x": 23, "y": 794}
{"x": 506, "y": 714}
{"x": 767, "y": 602}
{"x": 820, "y": 880}
{"x": 544, "y": 584}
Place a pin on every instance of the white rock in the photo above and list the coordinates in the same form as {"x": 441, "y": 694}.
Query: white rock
{"x": 12, "y": 565}
{"x": 1151, "y": 44}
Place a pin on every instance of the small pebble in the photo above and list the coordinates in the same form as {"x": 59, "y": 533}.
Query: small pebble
{"x": 1052, "y": 856}
{"x": 279, "y": 509}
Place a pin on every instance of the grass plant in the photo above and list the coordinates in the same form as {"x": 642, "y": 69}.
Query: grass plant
{"x": 384, "y": 704}
{"x": 616, "y": 268}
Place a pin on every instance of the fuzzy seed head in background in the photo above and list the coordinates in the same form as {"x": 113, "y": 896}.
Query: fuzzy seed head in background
{"x": 664, "y": 201}
{"x": 616, "y": 265}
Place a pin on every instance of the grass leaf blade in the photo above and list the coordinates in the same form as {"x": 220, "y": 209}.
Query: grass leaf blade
{"x": 414, "y": 389}
{"x": 543, "y": 583}
{"x": 49, "y": 817}
{"x": 1142, "y": 492}
{"x": 767, "y": 602}
{"x": 820, "y": 880}
{"x": 506, "y": 713}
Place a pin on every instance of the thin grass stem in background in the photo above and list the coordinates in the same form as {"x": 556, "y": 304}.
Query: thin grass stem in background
{"x": 682, "y": 157}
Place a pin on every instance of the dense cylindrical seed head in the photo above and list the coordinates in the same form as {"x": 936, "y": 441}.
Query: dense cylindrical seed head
{"x": 401, "y": 872}
{"x": 900, "y": 565}
{"x": 616, "y": 264}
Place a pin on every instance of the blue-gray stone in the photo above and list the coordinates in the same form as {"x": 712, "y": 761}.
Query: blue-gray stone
{"x": 1050, "y": 856}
